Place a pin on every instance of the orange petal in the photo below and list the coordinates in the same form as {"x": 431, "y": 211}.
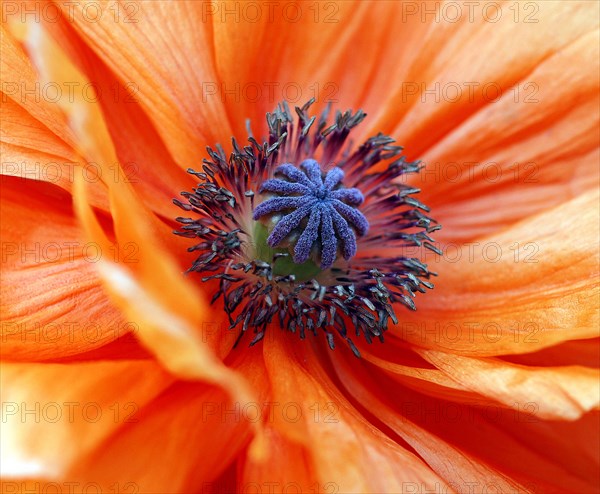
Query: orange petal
{"x": 36, "y": 142}
{"x": 287, "y": 467}
{"x": 22, "y": 86}
{"x": 170, "y": 84}
{"x": 344, "y": 65}
{"x": 578, "y": 352}
{"x": 459, "y": 53}
{"x": 558, "y": 393}
{"x": 178, "y": 315}
{"x": 86, "y": 120}
{"x": 56, "y": 413}
{"x": 170, "y": 322}
{"x": 146, "y": 162}
{"x": 341, "y": 446}
{"x": 528, "y": 288}
{"x": 84, "y": 116}
{"x": 170, "y": 319}
{"x": 53, "y": 304}
{"x": 400, "y": 365}
{"x": 526, "y": 156}
{"x": 458, "y": 468}
{"x": 482, "y": 445}
{"x": 21, "y": 130}
{"x": 449, "y": 384}
{"x": 198, "y": 427}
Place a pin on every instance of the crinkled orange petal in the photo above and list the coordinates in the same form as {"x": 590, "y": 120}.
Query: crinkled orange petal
{"x": 349, "y": 63}
{"x": 52, "y": 300}
{"x": 341, "y": 445}
{"x": 458, "y": 469}
{"x": 137, "y": 229}
{"x": 22, "y": 86}
{"x": 214, "y": 87}
{"x": 504, "y": 53}
{"x": 56, "y": 413}
{"x": 576, "y": 352}
{"x": 20, "y": 129}
{"x": 146, "y": 161}
{"x": 155, "y": 267}
{"x": 286, "y": 468}
{"x": 36, "y": 142}
{"x": 151, "y": 292}
{"x": 84, "y": 116}
{"x": 170, "y": 320}
{"x": 530, "y": 287}
{"x": 170, "y": 86}
{"x": 450, "y": 385}
{"x": 94, "y": 143}
{"x": 168, "y": 310}
{"x": 418, "y": 375}
{"x": 472, "y": 136}
{"x": 198, "y": 427}
{"x": 559, "y": 392}
{"x": 515, "y": 446}
{"x": 524, "y": 157}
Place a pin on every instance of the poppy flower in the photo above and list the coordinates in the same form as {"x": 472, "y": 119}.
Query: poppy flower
{"x": 121, "y": 373}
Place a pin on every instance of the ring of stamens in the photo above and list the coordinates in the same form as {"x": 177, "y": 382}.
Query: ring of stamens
{"x": 309, "y": 214}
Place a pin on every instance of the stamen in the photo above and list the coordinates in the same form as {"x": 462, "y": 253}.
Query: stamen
{"x": 307, "y": 194}
{"x": 258, "y": 259}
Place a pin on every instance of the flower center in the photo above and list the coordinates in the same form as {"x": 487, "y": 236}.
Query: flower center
{"x": 322, "y": 193}
{"x": 289, "y": 259}
{"x": 311, "y": 213}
